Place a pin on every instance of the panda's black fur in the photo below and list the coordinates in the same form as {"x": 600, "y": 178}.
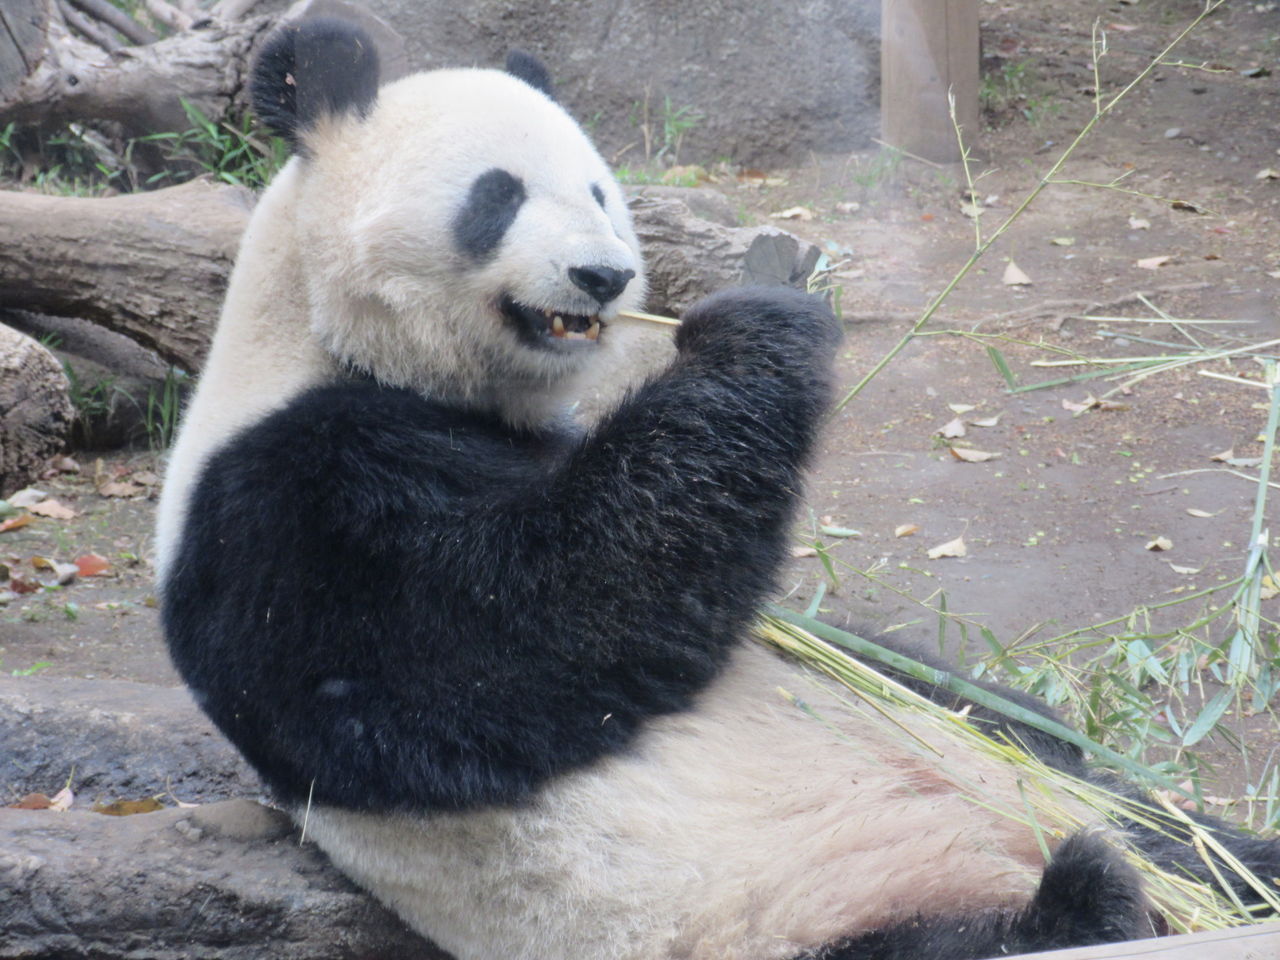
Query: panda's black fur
{"x": 524, "y": 601}
{"x": 308, "y": 71}
{"x": 404, "y": 605}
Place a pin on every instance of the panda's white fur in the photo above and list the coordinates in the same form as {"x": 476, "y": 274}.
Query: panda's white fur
{"x": 348, "y": 255}
{"x": 741, "y": 829}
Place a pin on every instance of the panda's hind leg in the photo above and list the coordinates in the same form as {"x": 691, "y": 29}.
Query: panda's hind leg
{"x": 1087, "y": 895}
{"x": 1168, "y": 843}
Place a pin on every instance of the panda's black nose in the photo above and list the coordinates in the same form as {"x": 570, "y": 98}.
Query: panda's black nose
{"x": 603, "y": 283}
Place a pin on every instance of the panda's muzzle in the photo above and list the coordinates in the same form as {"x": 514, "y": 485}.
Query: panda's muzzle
{"x": 540, "y": 327}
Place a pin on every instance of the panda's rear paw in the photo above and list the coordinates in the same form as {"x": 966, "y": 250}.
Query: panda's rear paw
{"x": 788, "y": 324}
{"x": 1088, "y": 894}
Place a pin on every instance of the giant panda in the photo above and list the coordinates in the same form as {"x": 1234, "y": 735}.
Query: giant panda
{"x": 497, "y": 663}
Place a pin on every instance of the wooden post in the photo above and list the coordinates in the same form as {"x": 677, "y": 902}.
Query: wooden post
{"x": 926, "y": 48}
{"x": 1257, "y": 942}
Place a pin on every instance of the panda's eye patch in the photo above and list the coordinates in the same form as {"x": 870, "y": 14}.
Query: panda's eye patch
{"x": 598, "y": 194}
{"x": 491, "y": 207}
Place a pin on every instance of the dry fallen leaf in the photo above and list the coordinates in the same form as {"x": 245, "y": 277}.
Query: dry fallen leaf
{"x": 54, "y": 510}
{"x": 1204, "y": 514}
{"x": 28, "y": 497}
{"x": 959, "y": 408}
{"x": 1227, "y": 456}
{"x": 969, "y": 455}
{"x": 952, "y": 548}
{"x": 1184, "y": 570}
{"x": 953, "y": 429}
{"x": 127, "y": 808}
{"x": 32, "y": 801}
{"x": 92, "y": 565}
{"x": 63, "y": 573}
{"x": 1138, "y": 223}
{"x": 985, "y": 421}
{"x": 1154, "y": 263}
{"x": 793, "y": 213}
{"x": 1270, "y": 173}
{"x": 145, "y": 477}
{"x": 21, "y": 585}
{"x": 1269, "y": 588}
{"x": 801, "y": 552}
{"x": 906, "y": 529}
{"x": 1160, "y": 544}
{"x": 115, "y": 488}
{"x": 1014, "y": 277}
{"x": 15, "y": 523}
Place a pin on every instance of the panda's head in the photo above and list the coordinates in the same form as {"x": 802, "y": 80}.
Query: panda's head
{"x": 457, "y": 232}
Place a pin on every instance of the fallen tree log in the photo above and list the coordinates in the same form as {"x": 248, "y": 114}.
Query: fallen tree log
{"x": 152, "y": 266}
{"x": 35, "y": 409}
{"x": 222, "y": 881}
{"x": 49, "y": 76}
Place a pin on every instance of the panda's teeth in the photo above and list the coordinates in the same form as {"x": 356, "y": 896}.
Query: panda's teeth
{"x": 557, "y": 326}
{"x": 593, "y": 331}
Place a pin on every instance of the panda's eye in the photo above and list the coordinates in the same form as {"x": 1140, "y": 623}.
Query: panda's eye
{"x": 492, "y": 203}
{"x": 598, "y": 194}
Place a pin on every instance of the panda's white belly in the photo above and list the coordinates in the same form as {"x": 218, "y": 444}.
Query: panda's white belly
{"x": 747, "y": 830}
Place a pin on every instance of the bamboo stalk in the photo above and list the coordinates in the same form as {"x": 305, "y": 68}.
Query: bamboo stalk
{"x": 651, "y": 317}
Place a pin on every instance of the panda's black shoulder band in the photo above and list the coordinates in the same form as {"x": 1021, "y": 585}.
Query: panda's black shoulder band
{"x": 312, "y": 69}
{"x": 527, "y": 67}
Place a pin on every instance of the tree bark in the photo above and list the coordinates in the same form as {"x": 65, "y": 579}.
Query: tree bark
{"x": 221, "y": 881}
{"x": 152, "y": 266}
{"x": 48, "y": 76}
{"x": 225, "y": 880}
{"x": 35, "y": 409}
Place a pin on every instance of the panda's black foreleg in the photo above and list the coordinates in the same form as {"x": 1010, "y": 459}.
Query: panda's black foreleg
{"x": 389, "y": 602}
{"x": 1088, "y": 895}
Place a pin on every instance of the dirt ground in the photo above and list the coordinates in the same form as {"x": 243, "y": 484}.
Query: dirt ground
{"x": 1056, "y": 526}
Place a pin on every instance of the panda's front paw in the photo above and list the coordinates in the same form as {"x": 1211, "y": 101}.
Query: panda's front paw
{"x": 786, "y": 325}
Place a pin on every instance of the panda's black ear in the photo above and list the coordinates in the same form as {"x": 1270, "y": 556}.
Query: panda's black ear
{"x": 529, "y": 68}
{"x": 308, "y": 70}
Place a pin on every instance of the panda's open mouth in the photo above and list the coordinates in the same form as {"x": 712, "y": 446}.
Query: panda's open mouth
{"x": 541, "y": 327}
